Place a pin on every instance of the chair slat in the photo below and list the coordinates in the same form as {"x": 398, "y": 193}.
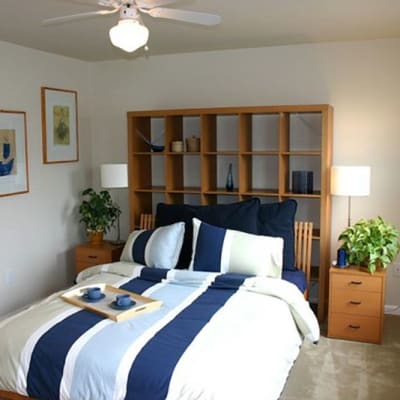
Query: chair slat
{"x": 147, "y": 221}
{"x": 303, "y": 247}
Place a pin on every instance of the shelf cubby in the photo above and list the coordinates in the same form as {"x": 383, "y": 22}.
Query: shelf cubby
{"x": 305, "y": 132}
{"x": 227, "y": 132}
{"x": 264, "y": 133}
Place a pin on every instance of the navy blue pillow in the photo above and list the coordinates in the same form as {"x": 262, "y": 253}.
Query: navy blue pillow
{"x": 241, "y": 216}
{"x": 277, "y": 219}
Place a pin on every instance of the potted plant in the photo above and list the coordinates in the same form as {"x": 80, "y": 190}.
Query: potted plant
{"x": 371, "y": 243}
{"x": 98, "y": 213}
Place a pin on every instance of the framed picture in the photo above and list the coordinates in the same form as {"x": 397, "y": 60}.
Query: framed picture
{"x": 59, "y": 125}
{"x": 13, "y": 153}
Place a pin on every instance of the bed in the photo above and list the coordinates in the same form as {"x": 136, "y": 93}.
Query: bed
{"x": 221, "y": 333}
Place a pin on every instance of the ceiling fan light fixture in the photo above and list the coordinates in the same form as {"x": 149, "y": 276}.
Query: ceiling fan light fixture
{"x": 129, "y": 35}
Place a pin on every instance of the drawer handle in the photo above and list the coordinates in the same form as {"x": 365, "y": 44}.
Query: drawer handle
{"x": 354, "y": 326}
{"x": 92, "y": 256}
{"x": 355, "y": 283}
{"x": 356, "y": 303}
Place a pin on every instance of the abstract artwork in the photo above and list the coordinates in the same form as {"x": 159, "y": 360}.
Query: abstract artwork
{"x": 13, "y": 153}
{"x": 59, "y": 125}
{"x": 8, "y": 163}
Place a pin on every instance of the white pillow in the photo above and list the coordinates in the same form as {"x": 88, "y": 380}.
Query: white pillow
{"x": 218, "y": 249}
{"x": 158, "y": 248}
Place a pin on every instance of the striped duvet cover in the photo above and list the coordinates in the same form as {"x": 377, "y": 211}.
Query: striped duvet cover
{"x": 216, "y": 336}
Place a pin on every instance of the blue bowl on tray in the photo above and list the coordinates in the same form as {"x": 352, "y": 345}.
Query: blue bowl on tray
{"x": 114, "y": 305}
{"x": 87, "y": 299}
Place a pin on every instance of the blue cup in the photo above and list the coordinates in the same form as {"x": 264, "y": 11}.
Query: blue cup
{"x": 93, "y": 293}
{"x": 341, "y": 258}
{"x": 123, "y": 300}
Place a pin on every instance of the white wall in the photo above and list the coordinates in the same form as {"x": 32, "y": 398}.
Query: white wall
{"x": 38, "y": 229}
{"x": 360, "y": 79}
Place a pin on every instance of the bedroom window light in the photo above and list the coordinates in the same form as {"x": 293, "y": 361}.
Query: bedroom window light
{"x": 115, "y": 176}
{"x": 350, "y": 181}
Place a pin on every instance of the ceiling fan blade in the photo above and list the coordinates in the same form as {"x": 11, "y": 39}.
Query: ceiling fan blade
{"x": 110, "y": 3}
{"x": 186, "y": 16}
{"x": 153, "y": 3}
{"x": 58, "y": 20}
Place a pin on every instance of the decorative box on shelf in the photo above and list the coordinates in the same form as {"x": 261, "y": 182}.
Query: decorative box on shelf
{"x": 356, "y": 304}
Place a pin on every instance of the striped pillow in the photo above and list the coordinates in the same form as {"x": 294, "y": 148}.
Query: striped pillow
{"x": 225, "y": 250}
{"x": 158, "y": 248}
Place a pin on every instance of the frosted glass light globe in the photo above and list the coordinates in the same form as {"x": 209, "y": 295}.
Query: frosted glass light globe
{"x": 129, "y": 35}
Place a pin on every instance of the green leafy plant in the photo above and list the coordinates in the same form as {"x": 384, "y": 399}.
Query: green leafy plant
{"x": 97, "y": 210}
{"x": 372, "y": 243}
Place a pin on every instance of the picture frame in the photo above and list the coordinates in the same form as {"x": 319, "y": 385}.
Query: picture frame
{"x": 14, "y": 172}
{"x": 60, "y": 138}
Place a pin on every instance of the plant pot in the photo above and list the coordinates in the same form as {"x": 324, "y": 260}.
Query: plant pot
{"x": 95, "y": 237}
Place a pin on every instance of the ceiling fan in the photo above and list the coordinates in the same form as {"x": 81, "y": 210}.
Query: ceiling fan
{"x": 130, "y": 33}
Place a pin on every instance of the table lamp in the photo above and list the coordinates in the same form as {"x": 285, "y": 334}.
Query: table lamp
{"x": 114, "y": 176}
{"x": 350, "y": 181}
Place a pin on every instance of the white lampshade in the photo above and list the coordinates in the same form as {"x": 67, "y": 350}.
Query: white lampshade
{"x": 114, "y": 175}
{"x": 350, "y": 181}
{"x": 129, "y": 35}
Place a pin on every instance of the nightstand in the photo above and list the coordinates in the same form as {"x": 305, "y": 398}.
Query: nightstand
{"x": 87, "y": 254}
{"x": 356, "y": 304}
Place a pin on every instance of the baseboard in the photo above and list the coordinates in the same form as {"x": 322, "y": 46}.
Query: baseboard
{"x": 392, "y": 309}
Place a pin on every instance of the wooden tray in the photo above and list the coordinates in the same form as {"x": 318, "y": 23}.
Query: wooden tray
{"x": 102, "y": 307}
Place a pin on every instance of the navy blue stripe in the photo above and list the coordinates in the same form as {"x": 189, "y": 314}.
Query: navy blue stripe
{"x": 229, "y": 281}
{"x": 297, "y": 277}
{"x": 152, "y": 369}
{"x": 148, "y": 277}
{"x": 153, "y": 274}
{"x": 48, "y": 357}
{"x": 139, "y": 246}
{"x": 209, "y": 244}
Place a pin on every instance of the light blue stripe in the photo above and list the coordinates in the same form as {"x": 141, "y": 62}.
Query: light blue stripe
{"x": 99, "y": 356}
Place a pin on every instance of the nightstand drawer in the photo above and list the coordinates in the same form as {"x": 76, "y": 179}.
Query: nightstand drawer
{"x": 90, "y": 255}
{"x": 364, "y": 329}
{"x": 80, "y": 265}
{"x": 357, "y": 282}
{"x": 351, "y": 301}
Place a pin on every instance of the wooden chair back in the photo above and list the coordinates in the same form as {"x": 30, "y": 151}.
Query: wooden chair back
{"x": 147, "y": 221}
{"x": 303, "y": 232}
{"x": 302, "y": 243}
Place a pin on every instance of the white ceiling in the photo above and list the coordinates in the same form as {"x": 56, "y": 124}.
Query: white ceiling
{"x": 246, "y": 23}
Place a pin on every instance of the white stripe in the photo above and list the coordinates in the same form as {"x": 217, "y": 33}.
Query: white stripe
{"x": 196, "y": 225}
{"x": 226, "y": 251}
{"x": 127, "y": 361}
{"x": 16, "y": 314}
{"x": 147, "y": 249}
{"x": 68, "y": 372}
{"x": 73, "y": 353}
{"x": 26, "y": 353}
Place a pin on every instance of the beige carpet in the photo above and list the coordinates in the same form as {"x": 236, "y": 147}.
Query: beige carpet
{"x": 345, "y": 370}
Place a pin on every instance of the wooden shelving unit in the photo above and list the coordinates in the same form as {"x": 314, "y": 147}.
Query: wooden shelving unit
{"x": 264, "y": 144}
